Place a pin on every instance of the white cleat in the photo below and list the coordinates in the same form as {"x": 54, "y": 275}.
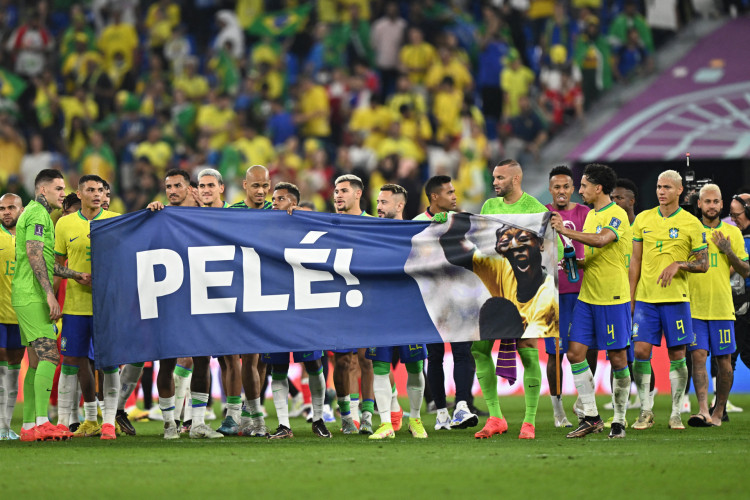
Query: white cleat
{"x": 171, "y": 432}
{"x": 203, "y": 431}
{"x": 443, "y": 420}
{"x": 562, "y": 421}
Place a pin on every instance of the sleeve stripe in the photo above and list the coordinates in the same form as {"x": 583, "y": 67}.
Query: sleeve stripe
{"x": 702, "y": 247}
{"x": 637, "y": 239}
{"x": 617, "y": 236}
{"x": 60, "y": 254}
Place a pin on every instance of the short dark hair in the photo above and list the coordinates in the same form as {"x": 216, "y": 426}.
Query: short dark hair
{"x": 70, "y": 200}
{"x": 628, "y": 185}
{"x": 90, "y": 178}
{"x": 178, "y": 171}
{"x": 433, "y": 185}
{"x": 290, "y": 188}
{"x": 107, "y": 187}
{"x": 395, "y": 189}
{"x": 306, "y": 204}
{"x": 561, "y": 170}
{"x": 600, "y": 174}
{"x": 47, "y": 175}
{"x": 352, "y": 179}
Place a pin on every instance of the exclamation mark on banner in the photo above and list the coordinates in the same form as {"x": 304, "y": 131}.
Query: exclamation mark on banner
{"x": 341, "y": 263}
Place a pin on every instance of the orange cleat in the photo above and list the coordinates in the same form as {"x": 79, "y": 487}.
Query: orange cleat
{"x": 108, "y": 432}
{"x": 29, "y": 434}
{"x": 493, "y": 426}
{"x": 49, "y": 432}
{"x": 64, "y": 431}
{"x": 527, "y": 431}
{"x": 396, "y": 418}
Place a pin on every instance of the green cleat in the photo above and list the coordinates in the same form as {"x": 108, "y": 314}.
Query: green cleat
{"x": 417, "y": 429}
{"x": 385, "y": 431}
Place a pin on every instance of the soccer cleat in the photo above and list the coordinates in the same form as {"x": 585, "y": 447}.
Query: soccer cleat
{"x": 586, "y": 427}
{"x": 417, "y": 429}
{"x": 462, "y": 417}
{"x": 443, "y": 420}
{"x": 675, "y": 423}
{"x": 136, "y": 414}
{"x": 319, "y": 429}
{"x": 385, "y": 431}
{"x": 108, "y": 432}
{"x": 64, "y": 430}
{"x": 348, "y": 427}
{"x": 397, "y": 418}
{"x": 296, "y": 405}
{"x": 203, "y": 431}
{"x": 229, "y": 427}
{"x": 49, "y": 432}
{"x": 493, "y": 426}
{"x": 617, "y": 431}
{"x": 4, "y": 435}
{"x": 730, "y": 408}
{"x": 259, "y": 431}
{"x": 210, "y": 415}
{"x": 15, "y": 437}
{"x": 365, "y": 427}
{"x": 88, "y": 429}
{"x": 29, "y": 434}
{"x": 562, "y": 422}
{"x": 527, "y": 431}
{"x": 282, "y": 432}
{"x": 328, "y": 415}
{"x": 644, "y": 421}
{"x": 609, "y": 421}
{"x": 122, "y": 419}
{"x": 74, "y": 426}
{"x": 171, "y": 432}
{"x": 186, "y": 426}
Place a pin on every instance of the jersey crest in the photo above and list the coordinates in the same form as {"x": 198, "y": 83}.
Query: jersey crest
{"x": 674, "y": 233}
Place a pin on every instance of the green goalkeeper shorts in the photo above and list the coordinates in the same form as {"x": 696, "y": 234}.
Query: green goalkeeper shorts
{"x": 34, "y": 322}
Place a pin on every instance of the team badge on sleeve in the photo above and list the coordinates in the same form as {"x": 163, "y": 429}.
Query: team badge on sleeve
{"x": 39, "y": 230}
{"x": 615, "y": 222}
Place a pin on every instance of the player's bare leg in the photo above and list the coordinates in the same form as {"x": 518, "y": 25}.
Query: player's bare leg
{"x": 700, "y": 381}
{"x": 233, "y": 389}
{"x": 341, "y": 381}
{"x": 724, "y": 382}
{"x": 199, "y": 388}
{"x": 252, "y": 421}
{"x": 165, "y": 386}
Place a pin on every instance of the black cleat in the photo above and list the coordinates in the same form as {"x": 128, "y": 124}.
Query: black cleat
{"x": 282, "y": 432}
{"x": 617, "y": 431}
{"x": 319, "y": 429}
{"x": 587, "y": 427}
{"x": 74, "y": 426}
{"x": 122, "y": 419}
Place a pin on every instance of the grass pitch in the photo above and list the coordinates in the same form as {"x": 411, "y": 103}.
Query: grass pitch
{"x": 656, "y": 463}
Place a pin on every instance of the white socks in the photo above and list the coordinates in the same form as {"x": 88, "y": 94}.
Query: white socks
{"x": 317, "y": 385}
{"x": 280, "y": 390}
{"x": 382, "y": 388}
{"x": 415, "y": 389}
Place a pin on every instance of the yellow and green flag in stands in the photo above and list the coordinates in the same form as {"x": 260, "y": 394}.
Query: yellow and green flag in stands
{"x": 11, "y": 85}
{"x": 281, "y": 23}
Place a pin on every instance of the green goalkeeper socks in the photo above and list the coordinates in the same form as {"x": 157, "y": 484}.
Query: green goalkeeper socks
{"x": 482, "y": 352}
{"x": 532, "y": 380}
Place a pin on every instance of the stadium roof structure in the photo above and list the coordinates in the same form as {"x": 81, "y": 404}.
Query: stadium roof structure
{"x": 700, "y": 105}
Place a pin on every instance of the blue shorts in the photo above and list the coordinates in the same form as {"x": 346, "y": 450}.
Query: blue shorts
{"x": 406, "y": 353}
{"x": 282, "y": 358}
{"x": 10, "y": 336}
{"x": 603, "y": 327}
{"x": 714, "y": 336}
{"x": 77, "y": 336}
{"x": 673, "y": 318}
{"x": 567, "y": 305}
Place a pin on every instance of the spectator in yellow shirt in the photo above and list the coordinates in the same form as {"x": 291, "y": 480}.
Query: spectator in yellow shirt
{"x": 217, "y": 121}
{"x": 193, "y": 84}
{"x": 406, "y": 94}
{"x": 118, "y": 36}
{"x": 79, "y": 105}
{"x": 515, "y": 80}
{"x": 396, "y": 144}
{"x": 257, "y": 149}
{"x": 447, "y": 109}
{"x": 314, "y": 110}
{"x": 158, "y": 152}
{"x": 417, "y": 56}
{"x": 448, "y": 65}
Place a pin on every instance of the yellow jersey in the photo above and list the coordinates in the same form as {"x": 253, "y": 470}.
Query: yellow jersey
{"x": 73, "y": 240}
{"x": 540, "y": 315}
{"x": 606, "y": 279}
{"x": 710, "y": 292}
{"x": 666, "y": 240}
{"x": 8, "y": 263}
{"x": 316, "y": 101}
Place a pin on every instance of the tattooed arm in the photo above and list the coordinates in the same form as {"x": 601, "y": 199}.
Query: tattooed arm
{"x": 698, "y": 265}
{"x": 65, "y": 272}
{"x": 35, "y": 252}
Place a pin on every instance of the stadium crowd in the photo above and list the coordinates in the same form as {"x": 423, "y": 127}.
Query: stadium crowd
{"x": 352, "y": 106}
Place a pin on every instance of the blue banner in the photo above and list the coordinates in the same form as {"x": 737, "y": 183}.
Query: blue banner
{"x": 200, "y": 281}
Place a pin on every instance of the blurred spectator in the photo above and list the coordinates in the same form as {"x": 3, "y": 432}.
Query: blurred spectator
{"x": 281, "y": 123}
{"x": 386, "y": 37}
{"x": 593, "y": 57}
{"x": 493, "y": 48}
{"x": 162, "y": 18}
{"x": 560, "y": 29}
{"x": 416, "y": 56}
{"x": 229, "y": 31}
{"x": 446, "y": 109}
{"x": 515, "y": 81}
{"x": 77, "y": 31}
{"x": 98, "y": 158}
{"x": 79, "y": 105}
{"x": 561, "y": 104}
{"x": 540, "y": 11}
{"x": 118, "y": 36}
{"x": 629, "y": 19}
{"x": 632, "y": 58}
{"x": 395, "y": 143}
{"x": 217, "y": 120}
{"x": 30, "y": 46}
{"x": 156, "y": 151}
{"x": 314, "y": 110}
{"x": 526, "y": 133}
{"x": 448, "y": 65}
{"x": 406, "y": 94}
{"x": 551, "y": 75}
{"x": 351, "y": 38}
{"x": 193, "y": 84}
{"x": 177, "y": 49}
{"x": 76, "y": 138}
{"x": 36, "y": 160}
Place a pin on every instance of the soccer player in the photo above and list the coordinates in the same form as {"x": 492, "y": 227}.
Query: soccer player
{"x": 573, "y": 215}
{"x": 211, "y": 188}
{"x": 107, "y": 195}
{"x": 286, "y": 195}
{"x": 534, "y": 298}
{"x": 73, "y": 243}
{"x": 35, "y": 303}
{"x": 668, "y": 242}
{"x": 11, "y": 347}
{"x": 391, "y": 202}
{"x": 712, "y": 307}
{"x": 257, "y": 183}
{"x": 347, "y": 193}
{"x": 602, "y": 312}
{"x": 441, "y": 196}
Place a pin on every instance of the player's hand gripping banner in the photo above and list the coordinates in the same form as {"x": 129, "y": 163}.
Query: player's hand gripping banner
{"x": 202, "y": 281}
